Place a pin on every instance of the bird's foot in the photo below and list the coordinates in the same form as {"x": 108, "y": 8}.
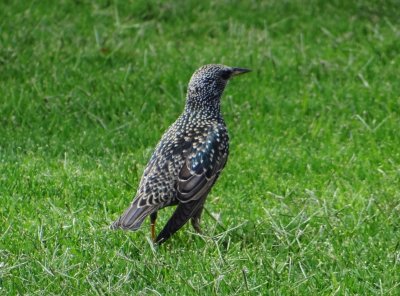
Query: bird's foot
{"x": 196, "y": 225}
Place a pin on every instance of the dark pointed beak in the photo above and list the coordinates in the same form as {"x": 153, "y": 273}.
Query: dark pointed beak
{"x": 238, "y": 71}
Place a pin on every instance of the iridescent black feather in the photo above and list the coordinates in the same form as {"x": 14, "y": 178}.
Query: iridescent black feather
{"x": 188, "y": 159}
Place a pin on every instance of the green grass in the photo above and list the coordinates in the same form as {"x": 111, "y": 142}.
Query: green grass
{"x": 310, "y": 197}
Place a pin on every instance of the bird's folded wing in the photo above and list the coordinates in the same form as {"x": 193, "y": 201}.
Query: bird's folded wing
{"x": 201, "y": 169}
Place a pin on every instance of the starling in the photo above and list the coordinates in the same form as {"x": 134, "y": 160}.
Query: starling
{"x": 188, "y": 159}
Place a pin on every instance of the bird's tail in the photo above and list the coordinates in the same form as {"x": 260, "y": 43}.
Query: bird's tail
{"x": 182, "y": 214}
{"x": 133, "y": 217}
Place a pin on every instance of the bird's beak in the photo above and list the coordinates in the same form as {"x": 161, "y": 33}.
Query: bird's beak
{"x": 238, "y": 71}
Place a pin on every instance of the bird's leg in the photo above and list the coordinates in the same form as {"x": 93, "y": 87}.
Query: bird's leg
{"x": 196, "y": 220}
{"x": 153, "y": 218}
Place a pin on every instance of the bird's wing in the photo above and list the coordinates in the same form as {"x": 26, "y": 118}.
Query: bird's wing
{"x": 200, "y": 171}
{"x": 202, "y": 167}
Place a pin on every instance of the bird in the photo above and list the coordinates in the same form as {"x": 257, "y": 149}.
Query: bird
{"x": 188, "y": 159}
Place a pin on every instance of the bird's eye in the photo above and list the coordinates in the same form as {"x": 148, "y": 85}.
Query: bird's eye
{"x": 226, "y": 74}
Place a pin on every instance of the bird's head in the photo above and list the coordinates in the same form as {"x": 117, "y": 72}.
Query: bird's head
{"x": 208, "y": 83}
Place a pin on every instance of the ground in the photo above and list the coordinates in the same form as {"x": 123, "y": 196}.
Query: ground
{"x": 309, "y": 202}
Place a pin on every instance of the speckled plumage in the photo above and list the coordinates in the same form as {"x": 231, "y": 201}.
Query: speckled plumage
{"x": 188, "y": 159}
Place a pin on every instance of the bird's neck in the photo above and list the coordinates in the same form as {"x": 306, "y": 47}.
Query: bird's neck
{"x": 205, "y": 106}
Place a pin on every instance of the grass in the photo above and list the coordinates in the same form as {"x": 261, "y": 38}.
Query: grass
{"x": 310, "y": 197}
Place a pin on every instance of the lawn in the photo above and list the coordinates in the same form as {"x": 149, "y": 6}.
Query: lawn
{"x": 309, "y": 202}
